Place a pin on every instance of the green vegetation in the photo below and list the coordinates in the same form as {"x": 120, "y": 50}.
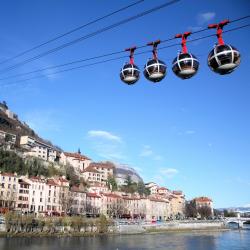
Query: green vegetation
{"x": 192, "y": 211}
{"x": 12, "y": 163}
{"x": 132, "y": 187}
{"x": 229, "y": 214}
{"x": 111, "y": 183}
{"x": 19, "y": 224}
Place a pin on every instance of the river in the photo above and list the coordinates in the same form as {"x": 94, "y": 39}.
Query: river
{"x": 228, "y": 240}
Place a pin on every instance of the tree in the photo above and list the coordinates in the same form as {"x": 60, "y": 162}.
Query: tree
{"x": 190, "y": 209}
{"x": 65, "y": 199}
{"x": 102, "y": 224}
{"x": 116, "y": 208}
{"x": 128, "y": 180}
{"x": 71, "y": 175}
{"x": 229, "y": 214}
{"x": 204, "y": 212}
{"x": 130, "y": 186}
{"x": 112, "y": 184}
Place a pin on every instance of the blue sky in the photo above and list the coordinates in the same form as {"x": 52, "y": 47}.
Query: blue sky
{"x": 191, "y": 135}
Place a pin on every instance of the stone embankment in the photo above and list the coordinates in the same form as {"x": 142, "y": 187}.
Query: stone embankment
{"x": 170, "y": 226}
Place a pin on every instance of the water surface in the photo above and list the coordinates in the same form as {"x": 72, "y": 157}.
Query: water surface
{"x": 235, "y": 240}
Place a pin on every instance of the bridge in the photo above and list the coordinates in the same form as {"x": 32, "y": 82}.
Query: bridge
{"x": 238, "y": 220}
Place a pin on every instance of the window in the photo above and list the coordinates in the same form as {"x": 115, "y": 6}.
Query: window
{"x": 41, "y": 200}
{"x": 8, "y": 186}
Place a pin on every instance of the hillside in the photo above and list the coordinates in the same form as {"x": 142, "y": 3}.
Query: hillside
{"x": 15, "y": 126}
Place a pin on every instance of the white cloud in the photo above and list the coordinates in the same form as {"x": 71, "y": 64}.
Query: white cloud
{"x": 169, "y": 172}
{"x": 148, "y": 152}
{"x": 204, "y": 18}
{"x": 106, "y": 145}
{"x": 104, "y": 135}
{"x": 189, "y": 132}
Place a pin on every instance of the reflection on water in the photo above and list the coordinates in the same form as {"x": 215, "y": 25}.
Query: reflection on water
{"x": 236, "y": 240}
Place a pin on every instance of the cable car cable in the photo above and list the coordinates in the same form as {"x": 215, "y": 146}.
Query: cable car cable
{"x": 91, "y": 34}
{"x": 117, "y": 58}
{"x": 122, "y": 51}
{"x": 72, "y": 31}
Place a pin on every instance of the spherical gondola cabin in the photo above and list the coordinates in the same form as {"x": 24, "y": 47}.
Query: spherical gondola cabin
{"x": 224, "y": 59}
{"x": 155, "y": 70}
{"x": 185, "y": 65}
{"x": 130, "y": 73}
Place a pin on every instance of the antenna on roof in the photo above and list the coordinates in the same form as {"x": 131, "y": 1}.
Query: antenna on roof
{"x": 79, "y": 151}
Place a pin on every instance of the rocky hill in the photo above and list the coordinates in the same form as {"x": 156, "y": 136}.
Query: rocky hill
{"x": 10, "y": 123}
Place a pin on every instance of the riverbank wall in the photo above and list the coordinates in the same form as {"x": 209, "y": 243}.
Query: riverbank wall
{"x": 140, "y": 228}
{"x": 169, "y": 226}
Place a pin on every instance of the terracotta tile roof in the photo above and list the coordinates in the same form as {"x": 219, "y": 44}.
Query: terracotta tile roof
{"x": 36, "y": 179}
{"x": 93, "y": 195}
{"x": 162, "y": 188}
{"x": 8, "y": 174}
{"x": 202, "y": 199}
{"x": 52, "y": 182}
{"x": 112, "y": 195}
{"x": 77, "y": 189}
{"x": 63, "y": 179}
{"x": 90, "y": 169}
{"x": 177, "y": 192}
{"x": 130, "y": 198}
{"x": 107, "y": 165}
{"x": 157, "y": 200}
{"x": 76, "y": 156}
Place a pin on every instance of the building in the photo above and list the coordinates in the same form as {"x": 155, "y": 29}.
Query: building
{"x": 177, "y": 204}
{"x": 90, "y": 174}
{"x": 93, "y": 204}
{"x": 98, "y": 172}
{"x": 37, "y": 195}
{"x": 77, "y": 160}
{"x": 78, "y": 201}
{"x": 203, "y": 202}
{"x": 22, "y": 203}
{"x": 8, "y": 137}
{"x": 105, "y": 168}
{"x": 8, "y": 191}
{"x": 153, "y": 187}
{"x": 4, "y": 108}
{"x": 157, "y": 209}
{"x": 37, "y": 148}
{"x": 57, "y": 196}
{"x": 162, "y": 191}
{"x": 112, "y": 205}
